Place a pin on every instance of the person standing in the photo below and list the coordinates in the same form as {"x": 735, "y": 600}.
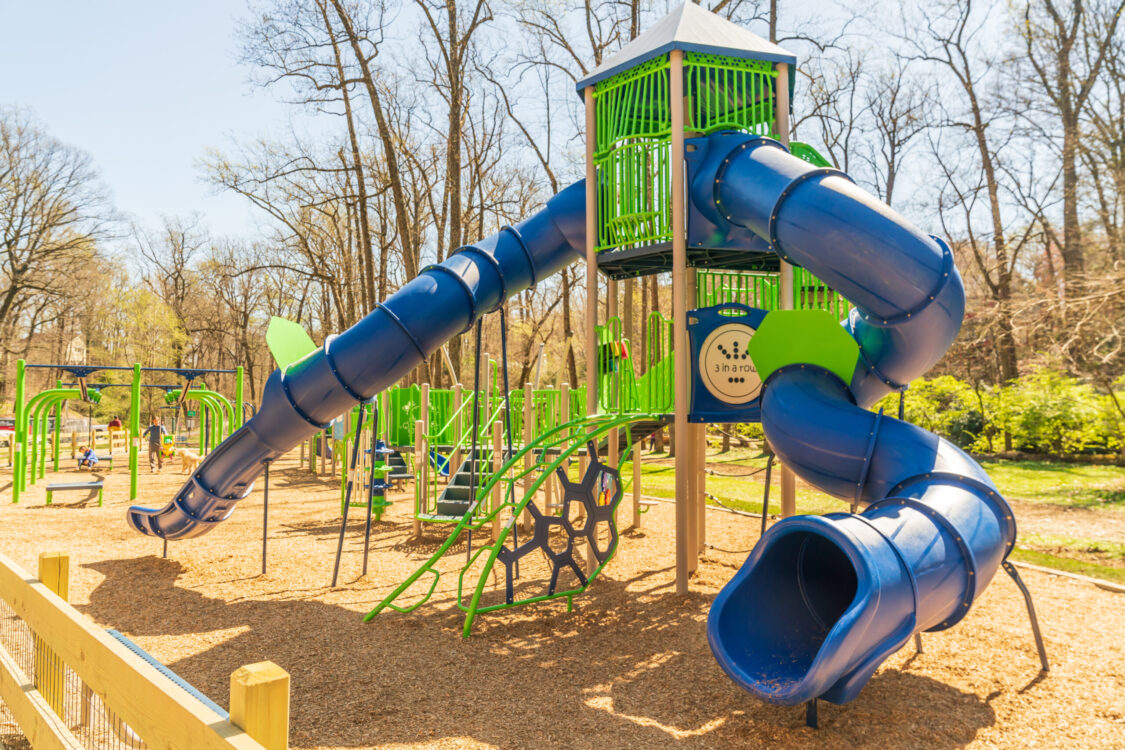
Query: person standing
{"x": 155, "y": 433}
{"x": 114, "y": 429}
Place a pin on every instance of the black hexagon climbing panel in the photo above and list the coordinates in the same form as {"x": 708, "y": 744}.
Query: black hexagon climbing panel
{"x": 589, "y": 509}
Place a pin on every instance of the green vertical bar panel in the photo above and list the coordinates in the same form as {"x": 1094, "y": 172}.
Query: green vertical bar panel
{"x": 239, "y": 419}
{"x": 20, "y": 434}
{"x": 58, "y": 424}
{"x": 134, "y": 429}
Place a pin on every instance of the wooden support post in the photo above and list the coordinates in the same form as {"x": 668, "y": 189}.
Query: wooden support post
{"x": 54, "y": 573}
{"x": 701, "y": 484}
{"x": 528, "y": 436}
{"x": 781, "y": 127}
{"x": 637, "y": 485}
{"x": 385, "y": 400}
{"x": 616, "y": 396}
{"x": 50, "y": 672}
{"x": 421, "y": 499}
{"x": 690, "y": 447}
{"x": 486, "y": 396}
{"x": 497, "y": 489}
{"x": 564, "y": 405}
{"x": 684, "y": 504}
{"x": 591, "y": 259}
{"x": 259, "y": 703}
{"x": 458, "y": 433}
{"x": 549, "y": 494}
{"x": 627, "y": 319}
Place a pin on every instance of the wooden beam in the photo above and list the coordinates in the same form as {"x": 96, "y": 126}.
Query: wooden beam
{"x": 781, "y": 126}
{"x": 528, "y": 436}
{"x": 679, "y": 315}
{"x": 689, "y": 447}
{"x": 497, "y": 488}
{"x": 421, "y": 498}
{"x": 591, "y": 258}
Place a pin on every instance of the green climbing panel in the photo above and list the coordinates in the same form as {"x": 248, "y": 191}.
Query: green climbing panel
{"x": 288, "y": 341}
{"x": 811, "y": 337}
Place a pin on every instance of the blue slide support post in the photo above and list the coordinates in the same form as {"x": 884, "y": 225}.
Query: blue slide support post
{"x": 388, "y": 343}
{"x": 822, "y": 601}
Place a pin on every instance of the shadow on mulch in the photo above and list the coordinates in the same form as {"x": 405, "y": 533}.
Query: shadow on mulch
{"x": 603, "y": 676}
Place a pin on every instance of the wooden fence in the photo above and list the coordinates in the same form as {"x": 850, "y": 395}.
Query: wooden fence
{"x": 71, "y": 685}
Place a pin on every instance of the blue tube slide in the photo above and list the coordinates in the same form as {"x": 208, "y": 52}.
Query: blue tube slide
{"x": 388, "y": 343}
{"x": 823, "y": 600}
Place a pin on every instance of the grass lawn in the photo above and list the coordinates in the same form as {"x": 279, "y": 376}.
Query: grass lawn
{"x": 1067, "y": 484}
{"x": 1089, "y": 557}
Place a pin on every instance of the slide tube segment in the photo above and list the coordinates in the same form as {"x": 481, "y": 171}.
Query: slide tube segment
{"x": 822, "y": 601}
{"x": 442, "y": 301}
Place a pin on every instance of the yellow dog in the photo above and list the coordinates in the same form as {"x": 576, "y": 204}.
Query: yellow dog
{"x": 189, "y": 461}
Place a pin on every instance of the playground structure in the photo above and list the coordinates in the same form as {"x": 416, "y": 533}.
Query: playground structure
{"x": 689, "y": 170}
{"x": 35, "y": 442}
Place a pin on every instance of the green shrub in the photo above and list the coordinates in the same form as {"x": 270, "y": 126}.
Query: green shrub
{"x": 944, "y": 405}
{"x": 1048, "y": 411}
{"x": 1045, "y": 411}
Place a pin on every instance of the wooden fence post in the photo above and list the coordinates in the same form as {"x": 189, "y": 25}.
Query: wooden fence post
{"x": 259, "y": 703}
{"x": 50, "y": 672}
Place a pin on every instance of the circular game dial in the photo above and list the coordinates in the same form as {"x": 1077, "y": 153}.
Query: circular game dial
{"x": 725, "y": 366}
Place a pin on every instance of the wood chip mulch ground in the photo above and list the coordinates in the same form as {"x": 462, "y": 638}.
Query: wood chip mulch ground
{"x": 629, "y": 667}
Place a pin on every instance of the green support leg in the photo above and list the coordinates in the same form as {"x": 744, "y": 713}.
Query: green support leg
{"x": 58, "y": 426}
{"x": 20, "y": 432}
{"x": 239, "y": 419}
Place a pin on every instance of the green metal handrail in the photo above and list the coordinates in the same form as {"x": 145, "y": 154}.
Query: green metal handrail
{"x": 577, "y": 433}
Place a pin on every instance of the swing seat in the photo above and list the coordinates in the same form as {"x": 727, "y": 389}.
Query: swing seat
{"x": 382, "y": 486}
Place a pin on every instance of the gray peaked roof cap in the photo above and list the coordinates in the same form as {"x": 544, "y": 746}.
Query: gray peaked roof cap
{"x": 692, "y": 29}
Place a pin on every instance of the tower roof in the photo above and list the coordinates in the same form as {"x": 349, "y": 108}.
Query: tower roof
{"x": 692, "y": 29}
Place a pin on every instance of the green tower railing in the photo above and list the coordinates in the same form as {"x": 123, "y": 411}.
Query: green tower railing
{"x": 633, "y": 133}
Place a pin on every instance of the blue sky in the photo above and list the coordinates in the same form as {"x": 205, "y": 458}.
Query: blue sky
{"x": 144, "y": 88}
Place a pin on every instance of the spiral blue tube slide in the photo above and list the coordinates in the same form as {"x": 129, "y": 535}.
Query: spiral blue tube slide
{"x": 439, "y": 303}
{"x": 823, "y": 600}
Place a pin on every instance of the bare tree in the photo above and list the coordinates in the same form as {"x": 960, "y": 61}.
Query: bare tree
{"x": 1065, "y": 47}
{"x": 953, "y": 40}
{"x": 53, "y": 211}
